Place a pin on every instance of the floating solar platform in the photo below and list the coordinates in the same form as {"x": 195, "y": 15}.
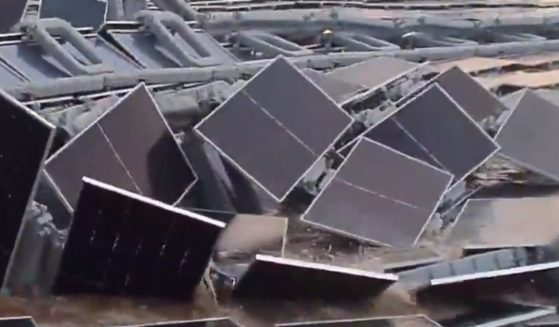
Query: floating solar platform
{"x": 375, "y": 72}
{"x": 214, "y": 322}
{"x": 131, "y": 147}
{"x": 339, "y": 90}
{"x": 379, "y": 195}
{"x": 147, "y": 50}
{"x": 528, "y": 136}
{"x": 264, "y": 128}
{"x": 280, "y": 278}
{"x": 17, "y": 322}
{"x": 73, "y": 11}
{"x": 433, "y": 128}
{"x": 497, "y": 314}
{"x": 124, "y": 243}
{"x": 395, "y": 321}
{"x": 477, "y": 101}
{"x": 11, "y": 14}
{"x": 25, "y": 140}
{"x": 504, "y": 222}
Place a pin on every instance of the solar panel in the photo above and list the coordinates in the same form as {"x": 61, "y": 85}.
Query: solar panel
{"x": 506, "y": 222}
{"x": 214, "y": 322}
{"x": 492, "y": 313}
{"x": 11, "y": 14}
{"x": 477, "y": 101}
{"x": 338, "y": 90}
{"x": 396, "y": 321}
{"x": 263, "y": 129}
{"x": 528, "y": 136}
{"x": 73, "y": 11}
{"x": 367, "y": 198}
{"x": 17, "y": 322}
{"x": 131, "y": 147}
{"x": 374, "y": 72}
{"x": 489, "y": 282}
{"x": 433, "y": 128}
{"x": 280, "y": 278}
{"x": 25, "y": 139}
{"x": 124, "y": 243}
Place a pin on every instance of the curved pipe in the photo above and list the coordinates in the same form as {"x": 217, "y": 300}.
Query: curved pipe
{"x": 159, "y": 24}
{"x": 42, "y": 32}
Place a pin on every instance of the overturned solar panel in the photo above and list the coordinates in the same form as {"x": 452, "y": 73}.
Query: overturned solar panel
{"x": 433, "y": 128}
{"x": 124, "y": 243}
{"x": 395, "y": 321}
{"x": 213, "y": 322}
{"x": 17, "y": 322}
{"x": 131, "y": 147}
{"x": 73, "y": 11}
{"x": 25, "y": 139}
{"x": 487, "y": 273}
{"x": 379, "y": 195}
{"x": 281, "y": 278}
{"x": 264, "y": 128}
{"x": 506, "y": 222}
{"x": 480, "y": 263}
{"x": 477, "y": 101}
{"x": 339, "y": 90}
{"x": 374, "y": 73}
{"x": 497, "y": 314}
{"x": 528, "y": 136}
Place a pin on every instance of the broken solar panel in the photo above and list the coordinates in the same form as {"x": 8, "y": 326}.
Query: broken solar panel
{"x": 339, "y": 90}
{"x": 11, "y": 14}
{"x": 281, "y": 278}
{"x": 17, "y": 322}
{"x": 395, "y": 321}
{"x": 25, "y": 139}
{"x": 73, "y": 11}
{"x": 276, "y": 127}
{"x": 502, "y": 222}
{"x": 131, "y": 147}
{"x": 213, "y": 322}
{"x": 379, "y": 195}
{"x": 433, "y": 128}
{"x": 124, "y": 243}
{"x": 529, "y": 135}
{"x": 477, "y": 101}
{"x": 373, "y": 73}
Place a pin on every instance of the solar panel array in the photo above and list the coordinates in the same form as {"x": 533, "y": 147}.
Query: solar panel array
{"x": 25, "y": 139}
{"x": 131, "y": 147}
{"x": 379, "y": 195}
{"x": 277, "y": 148}
{"x": 124, "y": 243}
